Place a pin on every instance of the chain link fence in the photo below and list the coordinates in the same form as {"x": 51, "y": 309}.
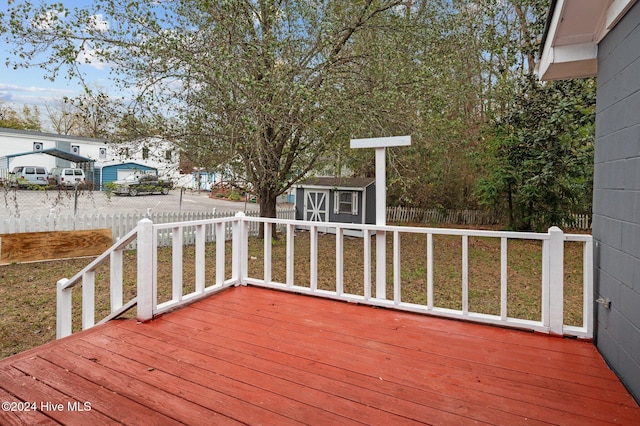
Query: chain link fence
{"x": 26, "y": 203}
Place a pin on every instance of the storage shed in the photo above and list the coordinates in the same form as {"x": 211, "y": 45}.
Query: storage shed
{"x": 332, "y": 199}
{"x": 118, "y": 171}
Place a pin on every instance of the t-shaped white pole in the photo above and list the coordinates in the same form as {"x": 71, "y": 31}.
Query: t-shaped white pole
{"x": 381, "y": 201}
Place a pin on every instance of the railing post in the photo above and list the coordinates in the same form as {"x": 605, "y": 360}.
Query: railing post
{"x": 63, "y": 309}
{"x": 587, "y": 266}
{"x": 88, "y": 299}
{"x": 115, "y": 282}
{"x": 239, "y": 249}
{"x": 145, "y": 270}
{"x": 556, "y": 280}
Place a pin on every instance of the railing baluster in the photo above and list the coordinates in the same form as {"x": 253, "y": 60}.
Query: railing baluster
{"x": 339, "y": 261}
{"x": 503, "y": 278}
{"x": 154, "y": 270}
{"x": 267, "y": 251}
{"x": 290, "y": 254}
{"x": 396, "y": 268}
{"x": 465, "y": 275}
{"x": 545, "y": 284}
{"x": 220, "y": 252}
{"x": 381, "y": 265}
{"x": 430, "y": 271}
{"x": 176, "y": 267}
{"x": 236, "y": 249}
{"x": 367, "y": 263}
{"x": 115, "y": 280}
{"x": 313, "y": 257}
{"x": 200, "y": 258}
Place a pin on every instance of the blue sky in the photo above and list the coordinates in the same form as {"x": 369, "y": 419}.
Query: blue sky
{"x": 30, "y": 87}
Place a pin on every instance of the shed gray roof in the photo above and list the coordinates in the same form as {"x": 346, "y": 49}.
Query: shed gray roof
{"x": 337, "y": 182}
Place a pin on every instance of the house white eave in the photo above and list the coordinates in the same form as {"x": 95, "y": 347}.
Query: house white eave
{"x": 574, "y": 29}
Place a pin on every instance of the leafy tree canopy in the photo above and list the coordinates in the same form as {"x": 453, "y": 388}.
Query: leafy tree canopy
{"x": 274, "y": 90}
{"x": 27, "y": 119}
{"x": 257, "y": 81}
{"x": 540, "y": 156}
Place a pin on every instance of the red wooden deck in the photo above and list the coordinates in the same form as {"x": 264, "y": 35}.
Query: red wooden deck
{"x": 257, "y": 356}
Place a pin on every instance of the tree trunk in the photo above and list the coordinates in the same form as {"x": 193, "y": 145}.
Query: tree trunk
{"x": 510, "y": 206}
{"x": 268, "y": 208}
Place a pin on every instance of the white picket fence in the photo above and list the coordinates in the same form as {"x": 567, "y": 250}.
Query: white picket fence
{"x": 458, "y": 217}
{"x": 121, "y": 224}
{"x": 465, "y": 217}
{"x": 579, "y": 221}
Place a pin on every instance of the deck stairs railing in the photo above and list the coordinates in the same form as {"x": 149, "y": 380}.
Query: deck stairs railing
{"x": 382, "y": 290}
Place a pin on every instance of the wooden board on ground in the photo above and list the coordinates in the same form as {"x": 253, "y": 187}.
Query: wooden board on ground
{"x": 37, "y": 246}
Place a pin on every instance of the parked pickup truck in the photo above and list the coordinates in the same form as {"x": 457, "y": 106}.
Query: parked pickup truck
{"x": 142, "y": 184}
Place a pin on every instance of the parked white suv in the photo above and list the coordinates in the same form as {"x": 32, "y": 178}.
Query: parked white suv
{"x": 67, "y": 177}
{"x": 30, "y": 175}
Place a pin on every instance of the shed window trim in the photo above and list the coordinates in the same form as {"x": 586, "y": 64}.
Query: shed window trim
{"x": 345, "y": 202}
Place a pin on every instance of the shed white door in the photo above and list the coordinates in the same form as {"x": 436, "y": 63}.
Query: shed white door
{"x": 316, "y": 206}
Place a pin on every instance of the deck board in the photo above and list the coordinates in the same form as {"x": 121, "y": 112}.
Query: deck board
{"x": 257, "y": 356}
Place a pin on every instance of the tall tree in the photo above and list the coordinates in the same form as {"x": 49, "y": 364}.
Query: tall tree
{"x": 541, "y": 154}
{"x": 27, "y": 119}
{"x": 261, "y": 81}
{"x": 62, "y": 116}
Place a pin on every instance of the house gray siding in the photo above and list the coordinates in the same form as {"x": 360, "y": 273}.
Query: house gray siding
{"x": 299, "y": 203}
{"x": 345, "y": 217}
{"x": 370, "y": 206}
{"x": 616, "y": 200}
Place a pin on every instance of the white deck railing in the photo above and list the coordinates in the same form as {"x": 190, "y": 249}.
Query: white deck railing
{"x": 236, "y": 272}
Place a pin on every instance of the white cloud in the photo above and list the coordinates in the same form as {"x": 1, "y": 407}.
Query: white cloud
{"x": 48, "y": 20}
{"x": 97, "y": 23}
{"x": 31, "y": 95}
{"x": 90, "y": 57}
